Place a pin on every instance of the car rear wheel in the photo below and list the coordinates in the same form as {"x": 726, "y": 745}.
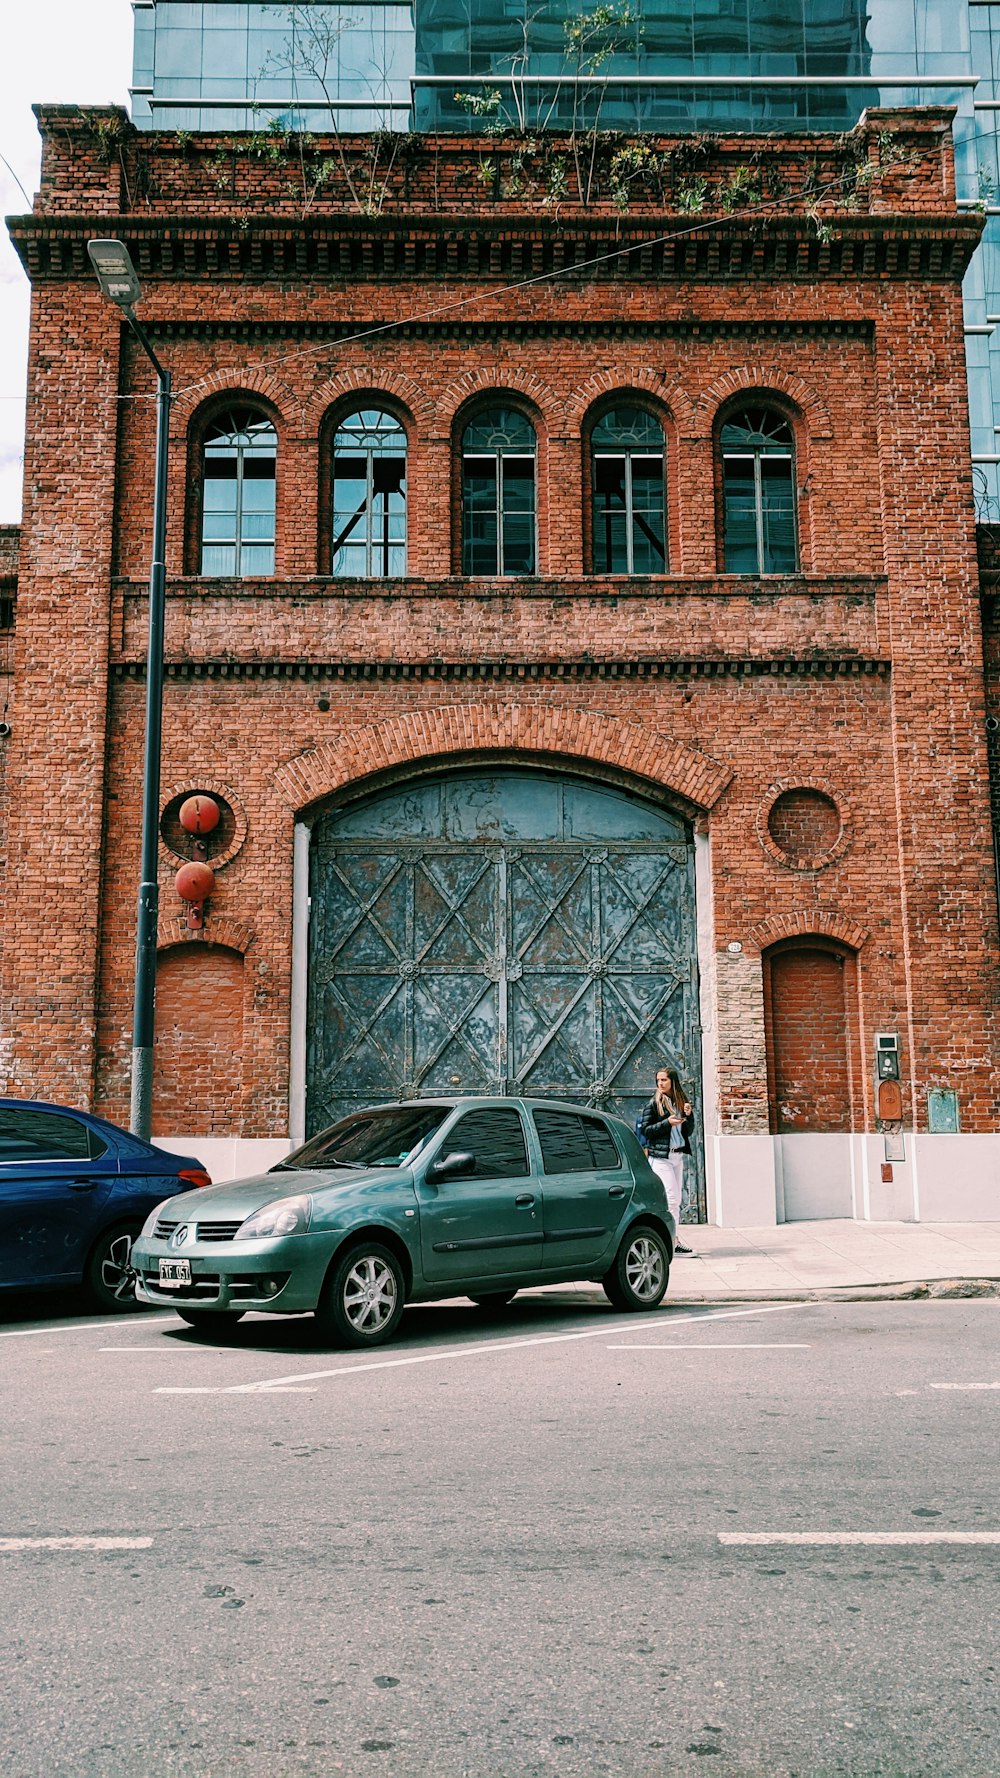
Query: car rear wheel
{"x": 363, "y": 1298}
{"x": 109, "y": 1278}
{"x": 638, "y": 1278}
{"x": 494, "y": 1299}
{"x": 207, "y": 1321}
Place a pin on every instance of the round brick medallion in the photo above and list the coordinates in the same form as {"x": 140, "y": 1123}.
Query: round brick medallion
{"x": 802, "y": 826}
{"x": 223, "y": 843}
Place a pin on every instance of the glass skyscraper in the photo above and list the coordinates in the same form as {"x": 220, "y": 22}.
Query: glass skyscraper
{"x": 665, "y": 65}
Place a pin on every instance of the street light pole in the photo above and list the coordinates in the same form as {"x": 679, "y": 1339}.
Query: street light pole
{"x": 119, "y": 283}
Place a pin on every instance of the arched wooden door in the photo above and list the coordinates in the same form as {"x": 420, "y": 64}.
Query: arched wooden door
{"x": 512, "y": 932}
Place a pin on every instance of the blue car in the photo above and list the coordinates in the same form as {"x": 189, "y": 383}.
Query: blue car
{"x": 74, "y": 1192}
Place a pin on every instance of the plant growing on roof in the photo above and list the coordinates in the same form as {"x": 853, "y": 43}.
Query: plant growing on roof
{"x": 311, "y": 51}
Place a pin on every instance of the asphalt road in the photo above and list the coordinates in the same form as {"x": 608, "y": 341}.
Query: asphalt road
{"x": 504, "y": 1546}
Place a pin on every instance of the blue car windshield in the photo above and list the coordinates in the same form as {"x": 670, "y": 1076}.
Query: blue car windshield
{"x": 370, "y": 1139}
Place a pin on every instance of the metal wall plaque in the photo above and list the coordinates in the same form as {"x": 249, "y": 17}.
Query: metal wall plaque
{"x": 942, "y": 1111}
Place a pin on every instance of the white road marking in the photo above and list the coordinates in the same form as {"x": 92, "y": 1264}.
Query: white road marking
{"x": 75, "y": 1543}
{"x": 759, "y": 1538}
{"x": 213, "y": 1389}
{"x": 965, "y": 1385}
{"x": 23, "y": 1333}
{"x": 719, "y": 1346}
{"x": 381, "y": 1364}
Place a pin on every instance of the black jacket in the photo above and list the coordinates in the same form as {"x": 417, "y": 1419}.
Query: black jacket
{"x": 654, "y": 1133}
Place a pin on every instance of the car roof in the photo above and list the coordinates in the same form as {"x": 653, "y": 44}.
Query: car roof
{"x": 89, "y": 1117}
{"x": 485, "y": 1100}
{"x": 50, "y": 1105}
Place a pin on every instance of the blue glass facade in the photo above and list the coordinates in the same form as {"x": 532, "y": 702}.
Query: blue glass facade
{"x": 747, "y": 65}
{"x": 212, "y": 65}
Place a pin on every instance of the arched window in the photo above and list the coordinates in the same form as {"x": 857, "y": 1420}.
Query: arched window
{"x": 369, "y": 496}
{"x": 237, "y": 517}
{"x": 758, "y": 479}
{"x": 629, "y": 507}
{"x": 498, "y": 494}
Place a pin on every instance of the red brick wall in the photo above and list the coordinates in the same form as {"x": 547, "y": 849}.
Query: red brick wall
{"x": 10, "y": 539}
{"x": 861, "y": 675}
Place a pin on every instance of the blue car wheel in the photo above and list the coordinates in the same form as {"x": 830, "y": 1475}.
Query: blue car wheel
{"x": 108, "y": 1276}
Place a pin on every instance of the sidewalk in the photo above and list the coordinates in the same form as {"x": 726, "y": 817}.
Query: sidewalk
{"x": 805, "y": 1260}
{"x": 803, "y": 1257}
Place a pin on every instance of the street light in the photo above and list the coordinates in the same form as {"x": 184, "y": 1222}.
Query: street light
{"x": 119, "y": 283}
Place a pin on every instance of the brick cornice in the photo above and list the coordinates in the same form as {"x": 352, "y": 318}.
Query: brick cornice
{"x": 522, "y": 327}
{"x": 766, "y": 588}
{"x": 544, "y": 671}
{"x": 507, "y": 247}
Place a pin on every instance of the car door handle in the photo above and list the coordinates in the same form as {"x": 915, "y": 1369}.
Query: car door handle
{"x": 82, "y": 1185}
{"x": 524, "y": 1198}
{"x": 616, "y": 1191}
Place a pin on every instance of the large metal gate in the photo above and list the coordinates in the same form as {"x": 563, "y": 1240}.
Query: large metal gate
{"x": 457, "y": 956}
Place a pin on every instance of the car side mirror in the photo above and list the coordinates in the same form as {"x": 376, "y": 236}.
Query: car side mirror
{"x": 451, "y": 1164}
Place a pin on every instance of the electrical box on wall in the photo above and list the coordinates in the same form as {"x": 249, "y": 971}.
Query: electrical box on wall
{"x": 887, "y": 1055}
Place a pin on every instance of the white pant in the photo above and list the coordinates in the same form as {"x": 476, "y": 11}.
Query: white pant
{"x": 671, "y": 1172}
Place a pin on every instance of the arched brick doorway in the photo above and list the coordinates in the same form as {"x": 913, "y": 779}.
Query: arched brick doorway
{"x": 509, "y": 931}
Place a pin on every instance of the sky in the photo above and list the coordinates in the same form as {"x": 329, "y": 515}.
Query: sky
{"x": 53, "y": 52}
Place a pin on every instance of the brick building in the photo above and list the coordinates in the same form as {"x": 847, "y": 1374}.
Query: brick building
{"x": 573, "y": 607}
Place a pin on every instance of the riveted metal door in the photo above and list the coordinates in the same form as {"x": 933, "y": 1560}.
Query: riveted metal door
{"x": 460, "y": 959}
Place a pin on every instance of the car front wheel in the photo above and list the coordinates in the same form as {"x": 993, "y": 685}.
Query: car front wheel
{"x": 638, "y": 1278}
{"x": 109, "y": 1278}
{"x": 363, "y": 1298}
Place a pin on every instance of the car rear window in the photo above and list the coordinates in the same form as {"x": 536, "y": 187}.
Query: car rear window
{"x": 495, "y": 1136}
{"x": 572, "y": 1143}
{"x": 45, "y": 1136}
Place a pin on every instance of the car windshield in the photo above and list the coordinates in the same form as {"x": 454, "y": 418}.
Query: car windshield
{"x": 370, "y": 1139}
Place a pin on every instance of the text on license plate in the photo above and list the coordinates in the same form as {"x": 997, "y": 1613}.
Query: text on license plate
{"x": 174, "y": 1272}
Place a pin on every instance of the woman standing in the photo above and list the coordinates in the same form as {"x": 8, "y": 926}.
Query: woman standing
{"x": 664, "y": 1131}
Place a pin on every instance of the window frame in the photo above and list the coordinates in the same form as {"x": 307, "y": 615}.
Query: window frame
{"x": 94, "y": 1146}
{"x": 211, "y": 432}
{"x": 735, "y": 416}
{"x": 374, "y": 406}
{"x": 546, "y": 1138}
{"x": 452, "y": 1144}
{"x": 606, "y": 452}
{"x": 497, "y": 455}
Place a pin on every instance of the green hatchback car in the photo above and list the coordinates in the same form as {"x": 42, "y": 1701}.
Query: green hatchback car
{"x": 413, "y": 1202}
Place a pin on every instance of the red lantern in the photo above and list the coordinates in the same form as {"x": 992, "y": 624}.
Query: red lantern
{"x": 199, "y": 814}
{"x": 194, "y": 882}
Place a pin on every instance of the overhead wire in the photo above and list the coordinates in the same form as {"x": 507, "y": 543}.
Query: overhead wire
{"x": 418, "y": 316}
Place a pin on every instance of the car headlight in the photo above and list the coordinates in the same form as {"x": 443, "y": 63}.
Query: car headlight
{"x": 286, "y": 1216}
{"x": 151, "y": 1220}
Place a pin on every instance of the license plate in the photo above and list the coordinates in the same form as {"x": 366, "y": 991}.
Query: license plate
{"x": 174, "y": 1272}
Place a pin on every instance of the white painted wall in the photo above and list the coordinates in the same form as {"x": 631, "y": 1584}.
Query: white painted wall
{"x": 814, "y": 1176}
{"x": 229, "y": 1157}
{"x": 959, "y": 1177}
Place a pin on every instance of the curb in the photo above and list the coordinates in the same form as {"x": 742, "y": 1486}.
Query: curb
{"x": 938, "y": 1288}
